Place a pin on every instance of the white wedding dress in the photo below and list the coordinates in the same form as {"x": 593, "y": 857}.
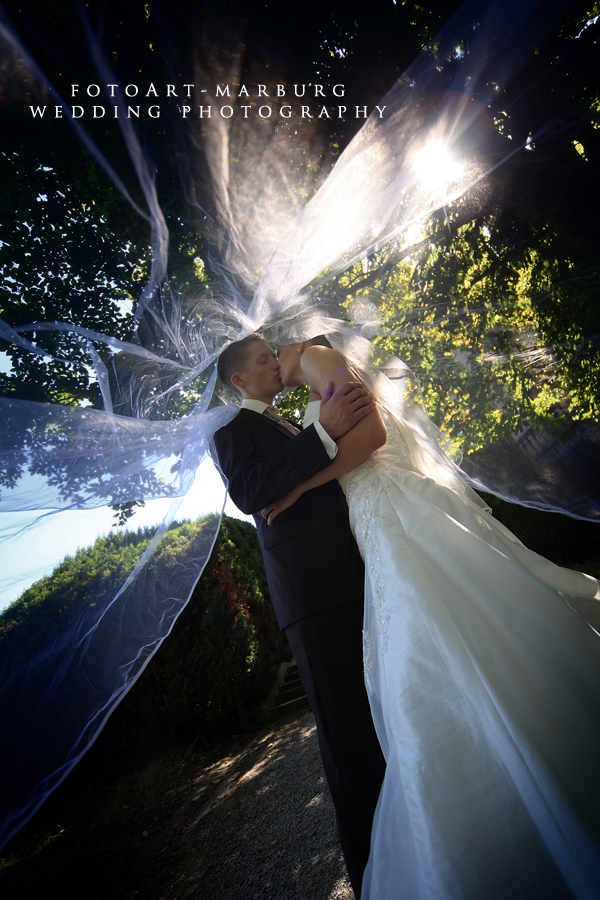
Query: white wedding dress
{"x": 485, "y": 691}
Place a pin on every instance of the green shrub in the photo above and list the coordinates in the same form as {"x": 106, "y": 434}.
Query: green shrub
{"x": 220, "y": 660}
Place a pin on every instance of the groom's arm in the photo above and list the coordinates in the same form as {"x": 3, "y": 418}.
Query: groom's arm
{"x": 344, "y": 407}
{"x": 256, "y": 478}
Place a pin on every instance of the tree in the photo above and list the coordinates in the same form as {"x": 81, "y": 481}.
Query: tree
{"x": 70, "y": 646}
{"x": 518, "y": 263}
{"x": 72, "y": 251}
{"x": 219, "y": 662}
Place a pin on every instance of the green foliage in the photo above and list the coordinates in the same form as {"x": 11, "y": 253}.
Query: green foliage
{"x": 218, "y": 663}
{"x": 71, "y": 250}
{"x": 293, "y": 404}
{"x": 55, "y": 602}
{"x": 473, "y": 313}
{"x": 517, "y": 269}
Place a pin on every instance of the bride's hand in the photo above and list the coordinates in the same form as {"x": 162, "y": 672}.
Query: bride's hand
{"x": 271, "y": 511}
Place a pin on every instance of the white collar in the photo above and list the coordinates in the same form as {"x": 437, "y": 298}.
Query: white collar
{"x": 258, "y": 406}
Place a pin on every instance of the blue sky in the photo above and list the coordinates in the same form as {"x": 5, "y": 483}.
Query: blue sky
{"x": 27, "y": 555}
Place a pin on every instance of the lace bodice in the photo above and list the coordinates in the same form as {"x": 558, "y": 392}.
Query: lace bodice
{"x": 364, "y": 483}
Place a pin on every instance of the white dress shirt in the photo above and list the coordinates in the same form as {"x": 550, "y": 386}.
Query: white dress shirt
{"x": 330, "y": 445}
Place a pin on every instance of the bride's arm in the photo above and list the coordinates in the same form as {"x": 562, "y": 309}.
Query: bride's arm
{"x": 322, "y": 365}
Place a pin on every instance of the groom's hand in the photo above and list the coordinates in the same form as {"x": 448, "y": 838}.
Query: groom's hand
{"x": 342, "y": 409}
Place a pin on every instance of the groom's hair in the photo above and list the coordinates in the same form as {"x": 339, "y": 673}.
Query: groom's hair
{"x": 233, "y": 359}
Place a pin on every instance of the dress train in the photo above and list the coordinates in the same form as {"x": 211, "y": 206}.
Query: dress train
{"x": 485, "y": 691}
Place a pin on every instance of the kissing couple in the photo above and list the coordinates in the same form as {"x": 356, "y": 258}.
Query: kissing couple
{"x": 456, "y": 692}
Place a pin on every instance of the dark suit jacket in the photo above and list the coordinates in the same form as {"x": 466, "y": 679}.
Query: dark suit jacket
{"x": 311, "y": 558}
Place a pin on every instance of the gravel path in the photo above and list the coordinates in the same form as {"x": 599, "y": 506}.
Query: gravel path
{"x": 268, "y": 831}
{"x": 258, "y": 824}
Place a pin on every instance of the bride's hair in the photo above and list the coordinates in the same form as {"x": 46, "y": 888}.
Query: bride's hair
{"x": 321, "y": 340}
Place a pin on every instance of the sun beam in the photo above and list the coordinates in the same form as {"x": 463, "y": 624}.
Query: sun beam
{"x": 434, "y": 166}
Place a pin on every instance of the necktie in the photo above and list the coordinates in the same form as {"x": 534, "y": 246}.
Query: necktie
{"x": 274, "y": 414}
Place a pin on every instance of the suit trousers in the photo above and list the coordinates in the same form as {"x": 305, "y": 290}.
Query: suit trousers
{"x": 327, "y": 648}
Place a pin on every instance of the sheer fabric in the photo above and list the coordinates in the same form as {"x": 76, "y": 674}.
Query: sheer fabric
{"x": 485, "y": 690}
{"x": 272, "y": 264}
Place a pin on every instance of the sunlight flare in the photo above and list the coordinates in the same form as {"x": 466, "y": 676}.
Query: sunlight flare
{"x": 435, "y": 166}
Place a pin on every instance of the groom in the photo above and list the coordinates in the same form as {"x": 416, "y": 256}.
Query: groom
{"x": 314, "y": 571}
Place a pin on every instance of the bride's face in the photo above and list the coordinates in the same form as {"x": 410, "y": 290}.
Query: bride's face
{"x": 290, "y": 372}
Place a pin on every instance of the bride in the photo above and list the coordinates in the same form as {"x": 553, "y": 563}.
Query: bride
{"x": 484, "y": 684}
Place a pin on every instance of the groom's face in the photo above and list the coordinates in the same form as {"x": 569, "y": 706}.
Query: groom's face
{"x": 260, "y": 373}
